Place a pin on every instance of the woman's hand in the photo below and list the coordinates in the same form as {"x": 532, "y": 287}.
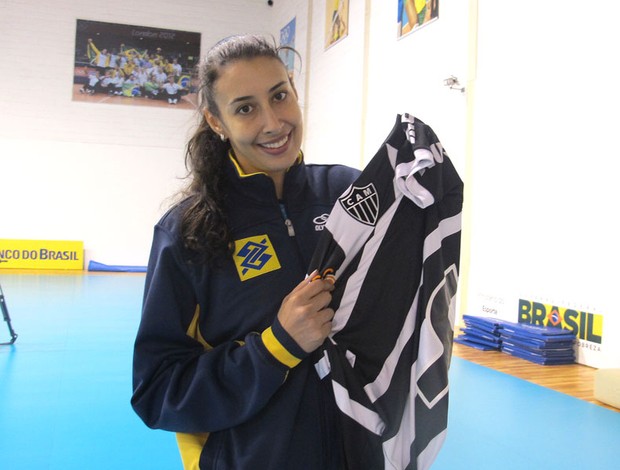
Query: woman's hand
{"x": 304, "y": 313}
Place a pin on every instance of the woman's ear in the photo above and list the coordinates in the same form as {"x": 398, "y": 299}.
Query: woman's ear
{"x": 214, "y": 123}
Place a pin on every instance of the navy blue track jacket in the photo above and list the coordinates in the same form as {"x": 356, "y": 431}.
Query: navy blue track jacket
{"x": 211, "y": 362}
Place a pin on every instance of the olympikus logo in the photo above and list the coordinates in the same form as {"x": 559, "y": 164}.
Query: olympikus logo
{"x": 362, "y": 204}
{"x": 319, "y": 222}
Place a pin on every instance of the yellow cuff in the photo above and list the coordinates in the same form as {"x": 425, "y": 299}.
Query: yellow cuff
{"x": 278, "y": 350}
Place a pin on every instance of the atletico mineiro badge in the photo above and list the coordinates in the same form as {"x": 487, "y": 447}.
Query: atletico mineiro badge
{"x": 362, "y": 203}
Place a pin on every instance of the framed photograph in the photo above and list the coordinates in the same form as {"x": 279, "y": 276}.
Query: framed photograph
{"x": 336, "y": 21}
{"x": 135, "y": 65}
{"x": 413, "y": 14}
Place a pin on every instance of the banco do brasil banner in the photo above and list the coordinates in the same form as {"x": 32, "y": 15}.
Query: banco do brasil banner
{"x": 41, "y": 254}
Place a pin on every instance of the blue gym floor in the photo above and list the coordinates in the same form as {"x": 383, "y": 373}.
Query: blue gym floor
{"x": 65, "y": 387}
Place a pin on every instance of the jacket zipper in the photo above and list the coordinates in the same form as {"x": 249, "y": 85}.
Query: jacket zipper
{"x": 287, "y": 221}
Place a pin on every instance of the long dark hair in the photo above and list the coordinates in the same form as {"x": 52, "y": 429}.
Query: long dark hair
{"x": 204, "y": 228}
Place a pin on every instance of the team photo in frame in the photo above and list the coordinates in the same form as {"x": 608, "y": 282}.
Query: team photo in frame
{"x": 135, "y": 65}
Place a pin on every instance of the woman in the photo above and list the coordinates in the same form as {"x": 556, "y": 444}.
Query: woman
{"x": 224, "y": 352}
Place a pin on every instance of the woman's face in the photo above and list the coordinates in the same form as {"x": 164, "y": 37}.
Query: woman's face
{"x": 259, "y": 113}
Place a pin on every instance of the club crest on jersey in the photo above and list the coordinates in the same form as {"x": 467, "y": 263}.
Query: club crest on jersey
{"x": 255, "y": 256}
{"x": 361, "y": 203}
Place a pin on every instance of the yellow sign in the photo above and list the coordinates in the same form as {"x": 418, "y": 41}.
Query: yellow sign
{"x": 587, "y": 326}
{"x": 255, "y": 256}
{"x": 41, "y": 254}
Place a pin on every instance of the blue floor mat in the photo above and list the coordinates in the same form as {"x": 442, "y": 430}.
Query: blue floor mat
{"x": 65, "y": 387}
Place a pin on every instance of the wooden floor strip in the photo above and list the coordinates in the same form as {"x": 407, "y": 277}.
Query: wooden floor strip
{"x": 574, "y": 379}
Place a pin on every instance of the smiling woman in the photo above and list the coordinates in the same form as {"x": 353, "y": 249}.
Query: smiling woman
{"x": 224, "y": 352}
{"x": 257, "y": 110}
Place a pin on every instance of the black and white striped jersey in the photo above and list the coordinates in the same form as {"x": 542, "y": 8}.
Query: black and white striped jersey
{"x": 392, "y": 244}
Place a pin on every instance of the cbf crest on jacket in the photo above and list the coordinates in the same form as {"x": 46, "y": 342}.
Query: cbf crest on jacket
{"x": 392, "y": 245}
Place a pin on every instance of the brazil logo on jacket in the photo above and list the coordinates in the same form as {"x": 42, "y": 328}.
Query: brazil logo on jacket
{"x": 255, "y": 256}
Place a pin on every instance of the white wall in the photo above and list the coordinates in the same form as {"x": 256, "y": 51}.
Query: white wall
{"x": 543, "y": 186}
{"x": 93, "y": 172}
{"x": 407, "y": 75}
{"x": 334, "y": 109}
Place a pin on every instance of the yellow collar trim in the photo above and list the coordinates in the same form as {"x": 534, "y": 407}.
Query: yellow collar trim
{"x": 242, "y": 174}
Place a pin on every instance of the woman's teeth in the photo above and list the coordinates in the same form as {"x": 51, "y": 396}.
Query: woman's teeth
{"x": 277, "y": 144}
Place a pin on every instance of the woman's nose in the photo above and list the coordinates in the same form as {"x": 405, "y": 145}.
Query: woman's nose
{"x": 272, "y": 123}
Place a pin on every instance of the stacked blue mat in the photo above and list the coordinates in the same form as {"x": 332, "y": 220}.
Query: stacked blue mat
{"x": 539, "y": 344}
{"x": 481, "y": 333}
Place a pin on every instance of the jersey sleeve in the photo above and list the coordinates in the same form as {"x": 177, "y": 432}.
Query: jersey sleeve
{"x": 180, "y": 382}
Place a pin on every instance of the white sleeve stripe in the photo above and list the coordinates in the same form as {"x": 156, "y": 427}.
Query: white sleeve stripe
{"x": 429, "y": 454}
{"x": 355, "y": 281}
{"x": 430, "y": 404}
{"x": 362, "y": 415}
{"x": 447, "y": 227}
{"x": 434, "y": 348}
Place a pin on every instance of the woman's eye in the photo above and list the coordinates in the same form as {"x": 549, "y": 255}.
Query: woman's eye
{"x": 246, "y": 109}
{"x": 281, "y": 96}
